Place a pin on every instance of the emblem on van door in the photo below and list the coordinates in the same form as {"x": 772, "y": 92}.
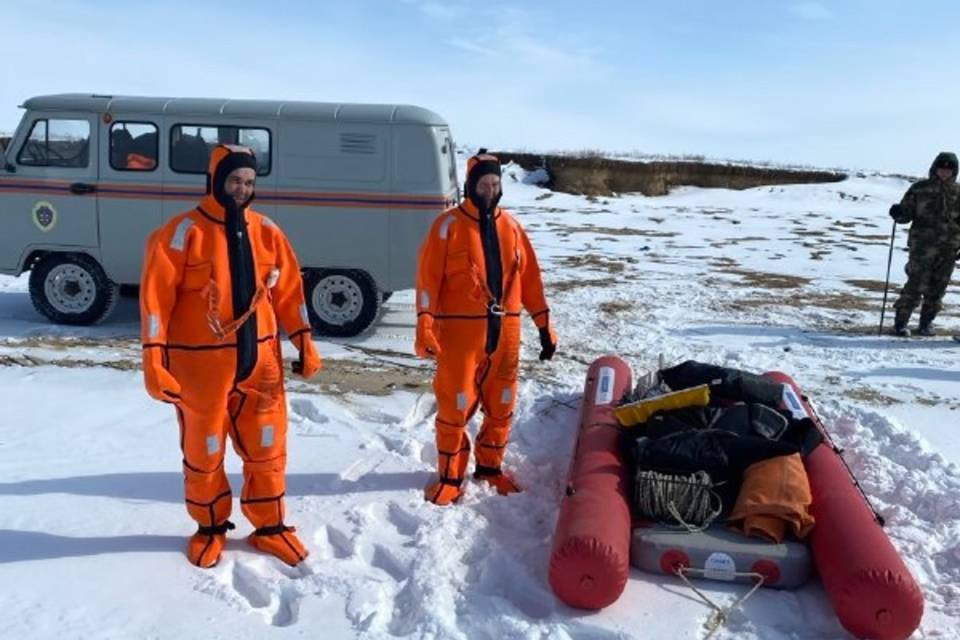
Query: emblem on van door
{"x": 44, "y": 216}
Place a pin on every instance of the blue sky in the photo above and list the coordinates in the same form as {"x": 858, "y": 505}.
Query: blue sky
{"x": 855, "y": 83}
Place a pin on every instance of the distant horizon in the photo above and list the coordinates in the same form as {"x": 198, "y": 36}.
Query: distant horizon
{"x": 856, "y": 84}
{"x": 651, "y": 157}
{"x": 642, "y": 156}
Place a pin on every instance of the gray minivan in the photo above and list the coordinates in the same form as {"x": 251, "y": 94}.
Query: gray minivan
{"x": 86, "y": 178}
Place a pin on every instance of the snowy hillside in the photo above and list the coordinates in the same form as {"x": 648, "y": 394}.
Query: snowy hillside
{"x": 92, "y": 524}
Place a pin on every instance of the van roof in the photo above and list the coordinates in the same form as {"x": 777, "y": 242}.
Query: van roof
{"x": 298, "y": 110}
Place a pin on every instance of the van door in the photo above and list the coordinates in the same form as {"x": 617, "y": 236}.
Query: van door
{"x": 448, "y": 153}
{"x": 421, "y": 167}
{"x": 129, "y": 194}
{"x": 49, "y": 196}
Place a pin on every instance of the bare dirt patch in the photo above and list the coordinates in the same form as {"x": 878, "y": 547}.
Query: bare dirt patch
{"x": 615, "y": 307}
{"x": 804, "y": 300}
{"x": 364, "y": 378}
{"x": 871, "y": 396}
{"x": 732, "y": 242}
{"x": 563, "y": 286}
{"x": 876, "y": 286}
{"x": 26, "y": 360}
{"x": 597, "y": 262}
{"x": 375, "y": 375}
{"x": 766, "y": 280}
{"x": 567, "y": 230}
{"x": 63, "y": 343}
{"x": 722, "y": 262}
{"x": 861, "y": 236}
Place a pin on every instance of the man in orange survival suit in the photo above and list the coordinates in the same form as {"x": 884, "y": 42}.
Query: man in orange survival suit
{"x": 476, "y": 269}
{"x": 216, "y": 283}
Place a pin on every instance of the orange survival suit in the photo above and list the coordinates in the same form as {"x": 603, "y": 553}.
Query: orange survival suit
{"x": 476, "y": 270}
{"x": 218, "y": 284}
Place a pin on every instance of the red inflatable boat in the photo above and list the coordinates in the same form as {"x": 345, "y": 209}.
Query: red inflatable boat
{"x": 590, "y": 560}
{"x": 869, "y": 586}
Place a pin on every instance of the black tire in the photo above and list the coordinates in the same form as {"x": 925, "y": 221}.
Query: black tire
{"x": 341, "y": 302}
{"x": 72, "y": 288}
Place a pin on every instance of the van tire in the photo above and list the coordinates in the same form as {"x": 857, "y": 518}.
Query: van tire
{"x": 341, "y": 302}
{"x": 72, "y": 288}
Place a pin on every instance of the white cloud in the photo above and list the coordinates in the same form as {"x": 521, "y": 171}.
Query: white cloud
{"x": 811, "y": 10}
{"x": 441, "y": 10}
{"x": 473, "y": 47}
{"x": 447, "y": 10}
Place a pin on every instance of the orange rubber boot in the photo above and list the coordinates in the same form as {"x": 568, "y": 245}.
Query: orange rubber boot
{"x": 498, "y": 479}
{"x": 453, "y": 454}
{"x": 444, "y": 492}
{"x": 280, "y": 541}
{"x": 205, "y": 546}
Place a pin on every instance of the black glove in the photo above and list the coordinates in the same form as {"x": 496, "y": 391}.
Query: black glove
{"x": 548, "y": 344}
{"x": 899, "y": 215}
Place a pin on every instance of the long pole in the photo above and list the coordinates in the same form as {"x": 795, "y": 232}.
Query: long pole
{"x": 886, "y": 284}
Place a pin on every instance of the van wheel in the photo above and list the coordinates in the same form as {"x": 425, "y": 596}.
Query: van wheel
{"x": 341, "y": 303}
{"x": 72, "y": 288}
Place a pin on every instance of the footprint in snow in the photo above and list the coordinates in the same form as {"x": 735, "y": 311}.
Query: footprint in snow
{"x": 307, "y": 410}
{"x": 273, "y": 598}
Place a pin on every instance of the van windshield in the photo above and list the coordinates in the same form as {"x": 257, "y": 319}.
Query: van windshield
{"x": 57, "y": 142}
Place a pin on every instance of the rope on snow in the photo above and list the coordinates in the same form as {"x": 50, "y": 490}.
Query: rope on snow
{"x": 720, "y": 614}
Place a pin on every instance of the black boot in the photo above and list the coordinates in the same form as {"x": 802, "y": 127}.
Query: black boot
{"x": 926, "y": 324}
{"x": 900, "y": 323}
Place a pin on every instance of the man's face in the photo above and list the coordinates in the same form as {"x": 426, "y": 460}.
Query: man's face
{"x": 239, "y": 184}
{"x": 488, "y": 188}
{"x": 945, "y": 173}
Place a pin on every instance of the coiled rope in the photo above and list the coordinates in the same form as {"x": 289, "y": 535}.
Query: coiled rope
{"x": 686, "y": 501}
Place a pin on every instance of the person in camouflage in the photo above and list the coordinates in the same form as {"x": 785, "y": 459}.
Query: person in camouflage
{"x": 933, "y": 206}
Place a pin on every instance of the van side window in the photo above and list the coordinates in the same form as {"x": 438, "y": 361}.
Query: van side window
{"x": 133, "y": 146}
{"x": 259, "y": 141}
{"x": 57, "y": 143}
{"x": 191, "y": 144}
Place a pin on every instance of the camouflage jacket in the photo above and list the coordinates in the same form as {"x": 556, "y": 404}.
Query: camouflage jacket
{"x": 934, "y": 207}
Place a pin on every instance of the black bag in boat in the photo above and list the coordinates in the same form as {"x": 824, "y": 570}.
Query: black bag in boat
{"x": 726, "y": 384}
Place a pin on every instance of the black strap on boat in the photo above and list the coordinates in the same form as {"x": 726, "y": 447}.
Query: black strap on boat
{"x": 879, "y": 518}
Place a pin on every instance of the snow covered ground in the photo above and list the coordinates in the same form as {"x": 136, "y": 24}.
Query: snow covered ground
{"x": 92, "y": 525}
